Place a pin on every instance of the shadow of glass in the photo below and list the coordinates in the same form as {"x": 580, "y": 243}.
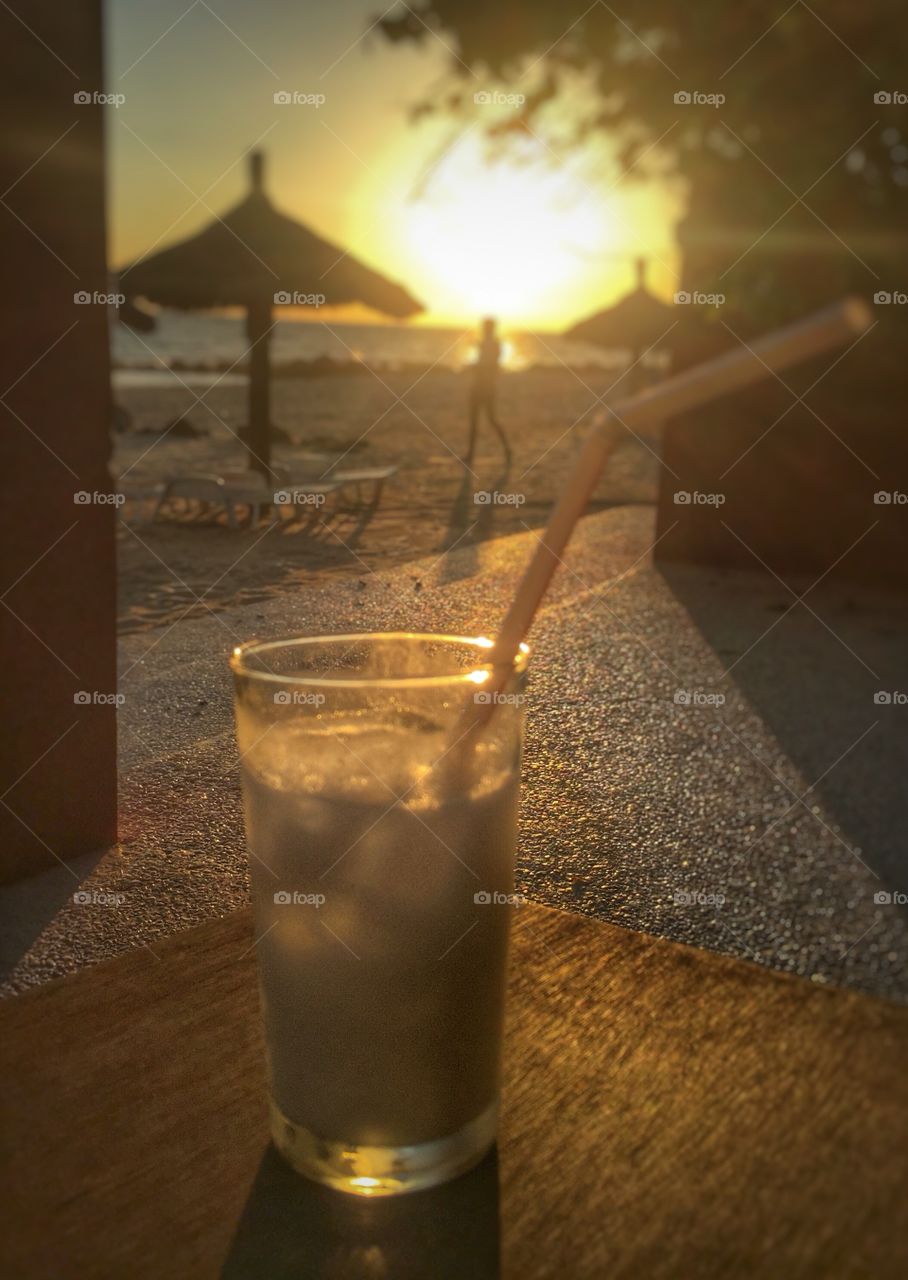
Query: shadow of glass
{"x": 292, "y": 1227}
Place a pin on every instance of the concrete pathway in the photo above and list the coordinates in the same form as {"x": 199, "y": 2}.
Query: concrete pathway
{"x": 705, "y": 760}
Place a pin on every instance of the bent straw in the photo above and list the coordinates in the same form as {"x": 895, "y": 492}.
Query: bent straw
{"x": 808, "y": 337}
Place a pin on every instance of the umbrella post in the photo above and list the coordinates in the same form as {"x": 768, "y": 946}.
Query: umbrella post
{"x": 258, "y": 327}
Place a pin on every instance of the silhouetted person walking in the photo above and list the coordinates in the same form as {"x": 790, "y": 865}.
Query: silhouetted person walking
{"x": 484, "y": 386}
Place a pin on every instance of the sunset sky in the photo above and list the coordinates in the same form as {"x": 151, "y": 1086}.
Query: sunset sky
{"x": 541, "y": 240}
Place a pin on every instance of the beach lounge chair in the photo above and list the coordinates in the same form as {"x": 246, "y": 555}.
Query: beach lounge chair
{"x": 252, "y": 489}
{"x": 232, "y": 490}
{"x": 210, "y": 490}
{"x": 305, "y": 499}
{"x": 359, "y": 478}
{"x": 253, "y": 479}
{"x": 356, "y": 478}
{"x": 229, "y": 490}
{"x": 140, "y": 503}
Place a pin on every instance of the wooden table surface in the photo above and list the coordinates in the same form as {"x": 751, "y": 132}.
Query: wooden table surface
{"x": 667, "y": 1113}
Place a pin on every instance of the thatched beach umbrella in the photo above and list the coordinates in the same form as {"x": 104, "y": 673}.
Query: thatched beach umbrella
{"x": 636, "y": 321}
{"x": 254, "y": 257}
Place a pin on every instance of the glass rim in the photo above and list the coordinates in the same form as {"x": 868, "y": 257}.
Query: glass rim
{"x": 241, "y": 654}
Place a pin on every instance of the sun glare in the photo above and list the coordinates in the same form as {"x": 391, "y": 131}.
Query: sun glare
{"x": 503, "y": 238}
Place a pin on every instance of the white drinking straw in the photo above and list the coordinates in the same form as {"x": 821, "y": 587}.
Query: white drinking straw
{"x": 746, "y": 364}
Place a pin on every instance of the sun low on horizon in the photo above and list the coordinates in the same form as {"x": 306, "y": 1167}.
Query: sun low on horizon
{"x": 520, "y": 237}
{"x": 502, "y": 237}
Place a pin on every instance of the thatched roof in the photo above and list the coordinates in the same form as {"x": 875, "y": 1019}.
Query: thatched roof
{"x": 254, "y": 252}
{"x": 637, "y": 320}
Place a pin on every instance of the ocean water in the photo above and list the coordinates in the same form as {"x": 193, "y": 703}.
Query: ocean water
{"x": 199, "y": 341}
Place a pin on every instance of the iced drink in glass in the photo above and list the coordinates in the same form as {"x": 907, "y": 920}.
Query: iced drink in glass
{"x": 382, "y": 860}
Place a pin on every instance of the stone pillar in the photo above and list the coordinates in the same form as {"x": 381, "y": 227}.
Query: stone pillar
{"x": 57, "y": 574}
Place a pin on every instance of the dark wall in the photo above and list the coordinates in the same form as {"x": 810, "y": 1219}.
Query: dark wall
{"x": 57, "y": 580}
{"x": 798, "y": 482}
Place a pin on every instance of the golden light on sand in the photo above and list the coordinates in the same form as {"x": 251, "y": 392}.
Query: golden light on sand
{"x": 504, "y": 238}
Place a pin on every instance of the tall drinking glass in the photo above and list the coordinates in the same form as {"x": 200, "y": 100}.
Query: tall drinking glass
{"x": 382, "y": 858}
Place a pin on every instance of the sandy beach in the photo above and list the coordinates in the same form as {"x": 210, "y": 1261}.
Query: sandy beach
{"x": 181, "y": 567}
